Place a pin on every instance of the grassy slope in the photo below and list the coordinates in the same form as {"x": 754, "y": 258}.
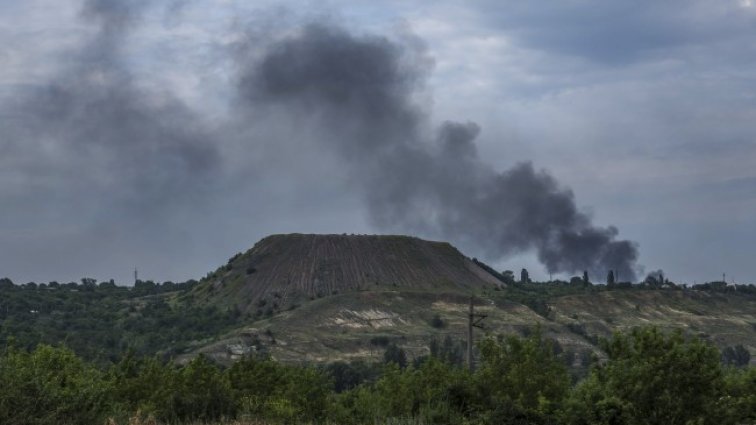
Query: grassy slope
{"x": 341, "y": 327}
{"x": 725, "y": 319}
{"x": 325, "y": 297}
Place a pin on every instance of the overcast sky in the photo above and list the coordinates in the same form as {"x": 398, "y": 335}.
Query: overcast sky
{"x": 147, "y": 133}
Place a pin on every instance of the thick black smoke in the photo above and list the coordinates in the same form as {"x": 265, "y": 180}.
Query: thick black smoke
{"x": 363, "y": 93}
{"x": 94, "y": 157}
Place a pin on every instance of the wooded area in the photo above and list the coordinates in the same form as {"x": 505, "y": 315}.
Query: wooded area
{"x": 648, "y": 377}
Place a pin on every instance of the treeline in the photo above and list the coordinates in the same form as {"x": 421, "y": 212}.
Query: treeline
{"x": 651, "y": 282}
{"x": 654, "y": 280}
{"x": 88, "y": 284}
{"x": 646, "y": 377}
{"x": 101, "y": 321}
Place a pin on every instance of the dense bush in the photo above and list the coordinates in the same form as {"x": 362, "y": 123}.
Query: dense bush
{"x": 522, "y": 378}
{"x": 267, "y": 389}
{"x": 654, "y": 378}
{"x": 100, "y": 323}
{"x": 433, "y": 392}
{"x": 647, "y": 377}
{"x": 50, "y": 386}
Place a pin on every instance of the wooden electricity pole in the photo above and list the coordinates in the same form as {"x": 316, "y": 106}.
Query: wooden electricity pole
{"x": 473, "y": 321}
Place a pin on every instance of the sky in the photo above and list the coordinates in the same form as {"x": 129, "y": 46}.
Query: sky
{"x": 559, "y": 136}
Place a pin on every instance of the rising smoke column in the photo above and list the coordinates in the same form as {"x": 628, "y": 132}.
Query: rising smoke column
{"x": 98, "y": 157}
{"x": 362, "y": 92}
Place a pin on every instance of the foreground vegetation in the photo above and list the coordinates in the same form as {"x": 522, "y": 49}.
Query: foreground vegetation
{"x": 647, "y": 377}
{"x": 101, "y": 321}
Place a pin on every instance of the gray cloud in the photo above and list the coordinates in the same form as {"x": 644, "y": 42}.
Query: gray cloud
{"x": 96, "y": 167}
{"x": 362, "y": 92}
{"x": 619, "y": 32}
{"x": 634, "y": 105}
{"x": 139, "y": 149}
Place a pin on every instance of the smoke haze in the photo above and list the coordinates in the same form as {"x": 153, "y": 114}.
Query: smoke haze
{"x": 94, "y": 140}
{"x": 362, "y": 91}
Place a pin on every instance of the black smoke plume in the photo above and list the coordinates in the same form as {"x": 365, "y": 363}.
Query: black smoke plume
{"x": 94, "y": 159}
{"x": 363, "y": 94}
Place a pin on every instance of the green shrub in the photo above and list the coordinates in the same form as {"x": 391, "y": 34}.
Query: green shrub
{"x": 269, "y": 390}
{"x": 50, "y": 386}
{"x": 437, "y": 322}
{"x": 523, "y": 376}
{"x": 651, "y": 378}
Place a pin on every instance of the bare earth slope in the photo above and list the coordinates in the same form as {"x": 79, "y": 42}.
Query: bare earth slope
{"x": 346, "y": 326}
{"x": 329, "y": 297}
{"x": 283, "y": 270}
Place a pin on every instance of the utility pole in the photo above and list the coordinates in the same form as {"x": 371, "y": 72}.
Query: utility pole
{"x": 473, "y": 321}
{"x": 470, "y": 336}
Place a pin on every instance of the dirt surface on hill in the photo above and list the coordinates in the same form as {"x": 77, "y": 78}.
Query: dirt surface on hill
{"x": 281, "y": 270}
{"x": 319, "y": 298}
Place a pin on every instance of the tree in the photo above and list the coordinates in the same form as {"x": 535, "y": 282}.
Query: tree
{"x": 448, "y": 351}
{"x": 110, "y": 284}
{"x": 145, "y": 287}
{"x": 345, "y": 376}
{"x": 610, "y": 278}
{"x": 737, "y": 356}
{"x": 655, "y": 279}
{"x": 739, "y": 405}
{"x": 50, "y": 386}
{"x": 509, "y": 277}
{"x": 521, "y": 378}
{"x": 202, "y": 392}
{"x": 432, "y": 392}
{"x": 437, "y": 322}
{"x": 396, "y": 355}
{"x": 268, "y": 389}
{"x": 258, "y": 380}
{"x": 524, "y": 276}
{"x": 142, "y": 384}
{"x": 88, "y": 281}
{"x": 651, "y": 378}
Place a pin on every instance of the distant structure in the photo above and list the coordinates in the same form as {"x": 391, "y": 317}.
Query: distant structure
{"x": 136, "y": 276}
{"x": 473, "y": 321}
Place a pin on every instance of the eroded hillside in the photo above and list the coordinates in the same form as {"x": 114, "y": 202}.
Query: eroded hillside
{"x": 359, "y": 325}
{"x": 282, "y": 271}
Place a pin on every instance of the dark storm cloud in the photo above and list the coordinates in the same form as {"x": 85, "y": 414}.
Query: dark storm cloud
{"x": 363, "y": 92}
